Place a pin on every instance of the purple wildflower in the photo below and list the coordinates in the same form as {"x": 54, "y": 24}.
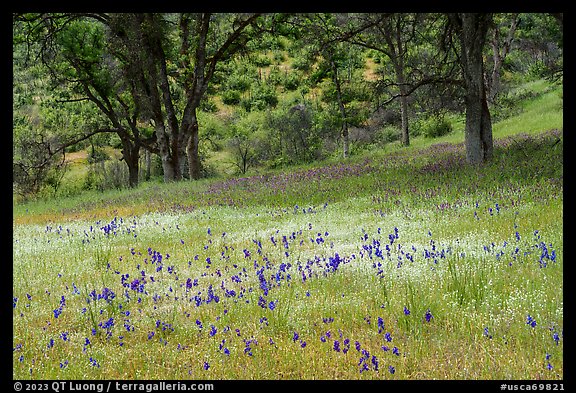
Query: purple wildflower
{"x": 337, "y": 345}
{"x": 380, "y": 325}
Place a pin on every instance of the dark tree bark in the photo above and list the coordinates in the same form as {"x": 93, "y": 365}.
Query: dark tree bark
{"x": 135, "y": 51}
{"x": 500, "y": 50}
{"x": 342, "y": 108}
{"x": 471, "y": 29}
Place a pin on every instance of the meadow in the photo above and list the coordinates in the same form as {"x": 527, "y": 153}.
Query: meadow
{"x": 407, "y": 264}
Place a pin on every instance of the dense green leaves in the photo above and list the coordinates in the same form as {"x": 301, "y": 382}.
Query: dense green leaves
{"x": 140, "y": 78}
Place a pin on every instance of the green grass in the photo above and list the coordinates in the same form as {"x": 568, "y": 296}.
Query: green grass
{"x": 341, "y": 247}
{"x": 455, "y": 246}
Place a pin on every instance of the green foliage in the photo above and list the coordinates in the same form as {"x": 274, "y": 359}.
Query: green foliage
{"x": 261, "y": 60}
{"x": 432, "y": 127}
{"x": 231, "y": 97}
{"x": 389, "y": 134}
{"x": 240, "y": 80}
{"x": 262, "y": 96}
{"x": 271, "y": 74}
{"x": 471, "y": 254}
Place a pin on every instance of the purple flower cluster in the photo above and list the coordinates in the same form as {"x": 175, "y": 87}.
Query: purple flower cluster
{"x": 266, "y": 264}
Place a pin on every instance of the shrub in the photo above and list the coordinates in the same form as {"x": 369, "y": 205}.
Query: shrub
{"x": 433, "y": 127}
{"x": 263, "y": 97}
{"x": 231, "y": 97}
{"x": 389, "y": 134}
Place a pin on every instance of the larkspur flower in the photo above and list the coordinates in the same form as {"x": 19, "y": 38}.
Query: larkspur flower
{"x": 94, "y": 363}
{"x": 428, "y": 315}
{"x": 549, "y": 366}
{"x": 530, "y": 321}
{"x": 388, "y": 336}
{"x": 337, "y": 345}
{"x": 391, "y": 369}
{"x": 108, "y": 324}
{"x": 380, "y": 325}
{"x": 346, "y": 343}
{"x": 406, "y": 311}
{"x": 295, "y": 336}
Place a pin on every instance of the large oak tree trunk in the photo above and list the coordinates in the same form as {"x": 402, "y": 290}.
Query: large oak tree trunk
{"x": 472, "y": 29}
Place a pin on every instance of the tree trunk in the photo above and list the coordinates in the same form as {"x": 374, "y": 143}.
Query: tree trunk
{"x": 397, "y": 54}
{"x": 403, "y": 103}
{"x": 194, "y": 168}
{"x": 478, "y": 130}
{"x": 133, "y": 171}
{"x": 404, "y": 116}
{"x": 164, "y": 152}
{"x": 499, "y": 55}
{"x": 131, "y": 156}
{"x": 148, "y": 160}
{"x": 345, "y": 138}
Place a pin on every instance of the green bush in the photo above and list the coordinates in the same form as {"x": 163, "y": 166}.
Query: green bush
{"x": 389, "y": 134}
{"x": 239, "y": 81}
{"x": 231, "y": 97}
{"x": 291, "y": 81}
{"x": 261, "y": 61}
{"x": 263, "y": 97}
{"x": 433, "y": 126}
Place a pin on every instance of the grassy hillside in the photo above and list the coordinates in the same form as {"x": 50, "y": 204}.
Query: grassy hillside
{"x": 407, "y": 264}
{"x": 537, "y": 107}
